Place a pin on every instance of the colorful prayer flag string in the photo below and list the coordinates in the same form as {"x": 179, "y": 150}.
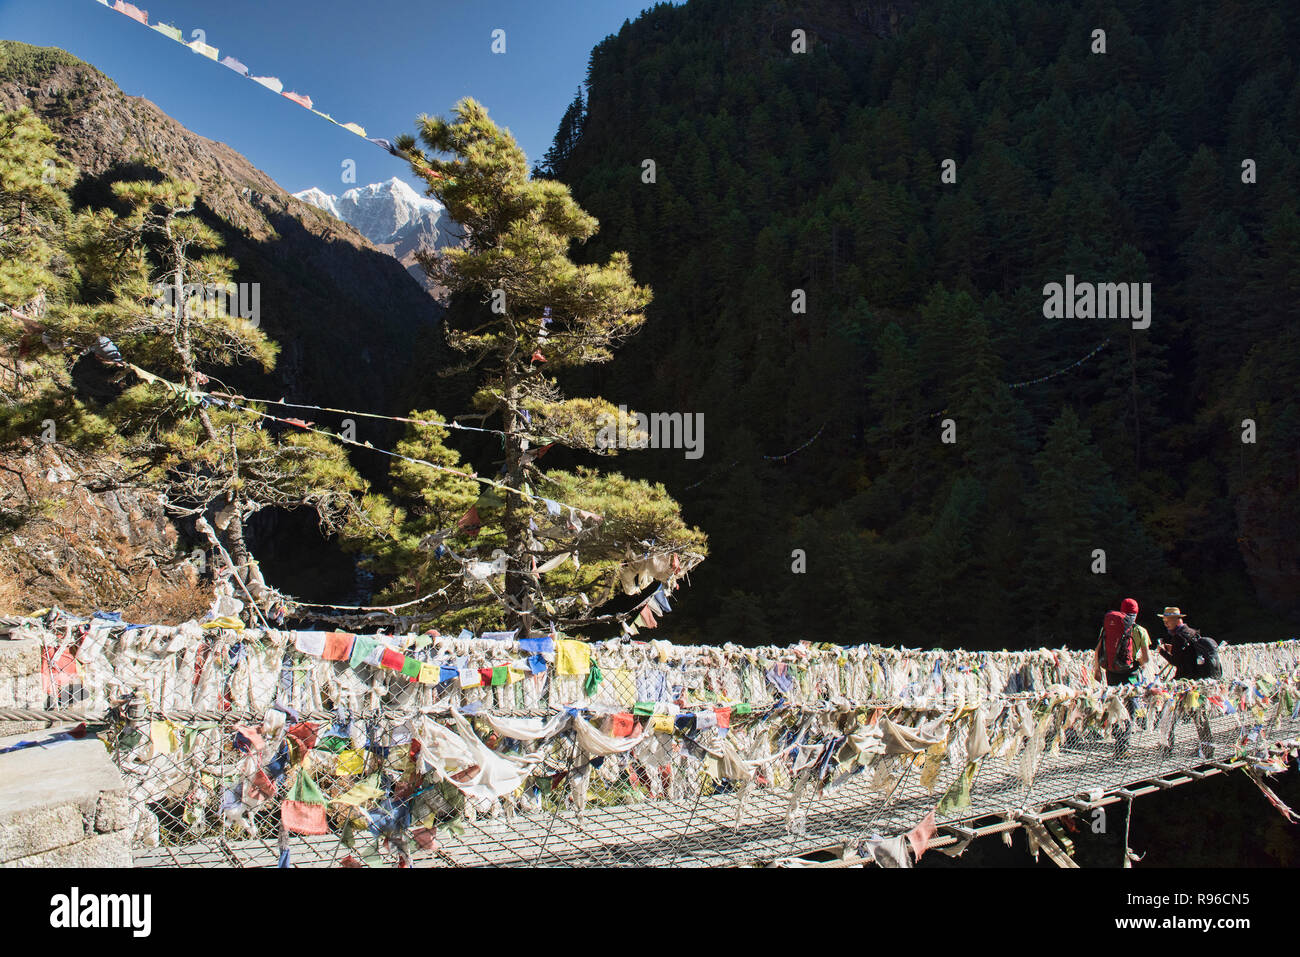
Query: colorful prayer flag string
{"x": 782, "y": 458}
{"x": 1062, "y": 371}
{"x": 198, "y": 397}
{"x": 271, "y": 83}
{"x": 373, "y": 415}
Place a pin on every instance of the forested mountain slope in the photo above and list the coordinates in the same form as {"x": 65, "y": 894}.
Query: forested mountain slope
{"x": 777, "y": 171}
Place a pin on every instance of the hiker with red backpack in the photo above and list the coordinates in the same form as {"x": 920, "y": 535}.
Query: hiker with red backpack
{"x": 1122, "y": 652}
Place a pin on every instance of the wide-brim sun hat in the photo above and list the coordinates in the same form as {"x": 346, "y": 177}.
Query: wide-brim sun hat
{"x": 1172, "y": 611}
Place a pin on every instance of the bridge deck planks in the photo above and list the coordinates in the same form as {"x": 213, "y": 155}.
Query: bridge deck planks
{"x": 703, "y": 833}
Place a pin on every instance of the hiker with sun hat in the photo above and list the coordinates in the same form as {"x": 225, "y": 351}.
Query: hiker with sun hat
{"x": 1180, "y": 647}
{"x": 1193, "y": 656}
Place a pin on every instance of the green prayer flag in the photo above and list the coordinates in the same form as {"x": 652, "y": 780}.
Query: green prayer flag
{"x": 500, "y": 675}
{"x": 594, "y": 678}
{"x": 361, "y": 647}
{"x": 411, "y": 667}
{"x": 305, "y": 790}
{"x": 742, "y": 708}
{"x": 643, "y": 708}
{"x": 957, "y": 797}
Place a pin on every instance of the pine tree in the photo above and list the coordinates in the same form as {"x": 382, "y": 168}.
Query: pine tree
{"x": 161, "y": 272}
{"x": 34, "y": 212}
{"x": 42, "y": 327}
{"x": 1075, "y": 510}
{"x": 566, "y": 138}
{"x": 529, "y": 309}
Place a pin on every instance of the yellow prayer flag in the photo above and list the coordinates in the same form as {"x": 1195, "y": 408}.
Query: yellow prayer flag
{"x": 661, "y": 722}
{"x": 930, "y": 770}
{"x": 363, "y": 792}
{"x": 572, "y": 657}
{"x": 350, "y": 762}
{"x": 226, "y": 621}
{"x": 429, "y": 674}
{"x": 163, "y": 736}
{"x": 624, "y": 686}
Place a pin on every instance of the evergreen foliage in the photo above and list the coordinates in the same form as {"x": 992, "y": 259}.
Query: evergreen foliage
{"x": 520, "y": 309}
{"x": 821, "y": 172}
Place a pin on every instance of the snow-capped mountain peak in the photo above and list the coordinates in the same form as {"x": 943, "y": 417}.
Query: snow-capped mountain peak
{"x": 391, "y": 215}
{"x": 319, "y": 199}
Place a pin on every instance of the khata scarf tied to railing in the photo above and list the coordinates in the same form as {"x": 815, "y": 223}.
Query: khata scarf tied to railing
{"x": 395, "y": 739}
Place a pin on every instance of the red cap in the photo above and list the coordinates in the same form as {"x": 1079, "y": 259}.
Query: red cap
{"x": 1129, "y": 607}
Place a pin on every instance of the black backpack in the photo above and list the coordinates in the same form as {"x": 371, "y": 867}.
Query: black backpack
{"x": 1204, "y": 657}
{"x": 1195, "y": 655}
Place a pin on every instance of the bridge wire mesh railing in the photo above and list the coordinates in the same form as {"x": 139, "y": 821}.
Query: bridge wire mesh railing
{"x": 239, "y": 750}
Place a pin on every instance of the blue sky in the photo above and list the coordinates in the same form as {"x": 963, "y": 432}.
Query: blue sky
{"x": 379, "y": 63}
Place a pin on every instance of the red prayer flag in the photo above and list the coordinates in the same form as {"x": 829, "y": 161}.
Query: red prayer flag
{"x": 302, "y": 818}
{"x": 622, "y": 724}
{"x": 647, "y": 617}
{"x": 255, "y": 742}
{"x": 338, "y": 646}
{"x": 392, "y": 659}
{"x": 919, "y": 836}
{"x": 58, "y": 668}
{"x": 305, "y": 734}
{"x": 260, "y": 785}
{"x": 469, "y": 522}
{"x": 132, "y": 11}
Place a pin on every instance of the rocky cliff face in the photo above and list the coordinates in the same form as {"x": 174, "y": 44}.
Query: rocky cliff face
{"x": 72, "y": 542}
{"x": 342, "y": 311}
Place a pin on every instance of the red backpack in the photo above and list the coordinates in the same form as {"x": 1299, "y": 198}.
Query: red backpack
{"x": 1118, "y": 651}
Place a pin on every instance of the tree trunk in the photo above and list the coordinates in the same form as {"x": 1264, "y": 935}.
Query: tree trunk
{"x": 234, "y": 532}
{"x": 520, "y": 586}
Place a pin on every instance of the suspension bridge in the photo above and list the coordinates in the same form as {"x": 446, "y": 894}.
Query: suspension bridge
{"x": 240, "y": 749}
